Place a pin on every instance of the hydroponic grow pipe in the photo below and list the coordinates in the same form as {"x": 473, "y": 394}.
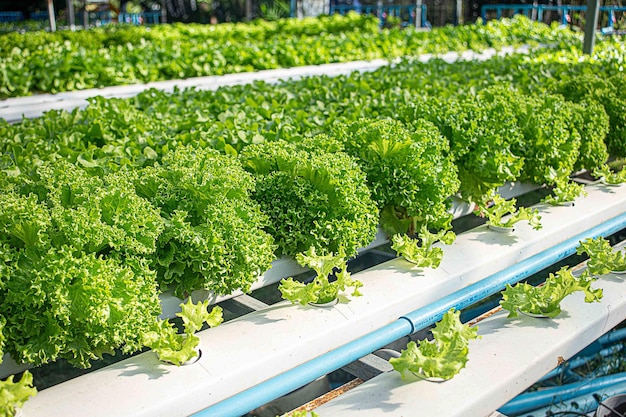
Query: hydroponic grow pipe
{"x": 525, "y": 403}
{"x": 412, "y": 322}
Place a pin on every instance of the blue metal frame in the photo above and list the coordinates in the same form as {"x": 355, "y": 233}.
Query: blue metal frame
{"x": 406, "y": 12}
{"x": 147, "y": 18}
{"x": 527, "y": 9}
{"x": 7, "y": 17}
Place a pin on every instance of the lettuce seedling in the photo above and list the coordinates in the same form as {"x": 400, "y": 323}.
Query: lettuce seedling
{"x": 564, "y": 192}
{"x": 424, "y": 255}
{"x": 321, "y": 289}
{"x": 502, "y": 207}
{"x": 13, "y": 394}
{"x": 175, "y": 348}
{"x": 546, "y": 299}
{"x": 444, "y": 356}
{"x": 602, "y": 258}
{"x": 609, "y": 177}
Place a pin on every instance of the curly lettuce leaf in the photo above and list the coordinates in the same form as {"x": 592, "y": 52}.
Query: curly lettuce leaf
{"x": 501, "y": 208}
{"x": 602, "y": 257}
{"x": 175, "y": 348}
{"x": 444, "y": 356}
{"x": 299, "y": 292}
{"x": 24, "y": 221}
{"x": 321, "y": 289}
{"x": 605, "y": 173}
{"x": 169, "y": 345}
{"x": 13, "y": 394}
{"x": 564, "y": 191}
{"x": 424, "y": 255}
{"x": 546, "y": 299}
{"x": 195, "y": 315}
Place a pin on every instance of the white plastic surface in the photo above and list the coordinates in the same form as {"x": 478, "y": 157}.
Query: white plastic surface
{"x": 511, "y": 356}
{"x": 246, "y": 351}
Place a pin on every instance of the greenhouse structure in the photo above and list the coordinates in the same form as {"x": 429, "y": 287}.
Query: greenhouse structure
{"x": 363, "y": 212}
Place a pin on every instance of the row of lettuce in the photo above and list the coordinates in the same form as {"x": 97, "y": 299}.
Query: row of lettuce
{"x": 42, "y": 62}
{"x": 104, "y": 207}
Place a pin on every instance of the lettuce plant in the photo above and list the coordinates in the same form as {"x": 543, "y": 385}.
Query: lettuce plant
{"x": 500, "y": 208}
{"x": 315, "y": 196}
{"x": 481, "y": 129}
{"x": 13, "y": 394}
{"x": 213, "y": 235}
{"x": 444, "y": 356}
{"x": 551, "y": 143}
{"x": 408, "y": 169}
{"x": 605, "y": 91}
{"x": 602, "y": 257}
{"x": 423, "y": 254}
{"x": 73, "y": 282}
{"x": 321, "y": 290}
{"x": 609, "y": 177}
{"x": 178, "y": 348}
{"x": 546, "y": 299}
{"x": 591, "y": 121}
{"x": 60, "y": 303}
{"x": 564, "y": 191}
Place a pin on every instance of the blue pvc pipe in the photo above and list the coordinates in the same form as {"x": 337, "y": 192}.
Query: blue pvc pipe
{"x": 471, "y": 294}
{"x": 580, "y": 360}
{"x": 295, "y": 378}
{"x": 419, "y": 319}
{"x": 580, "y": 404}
{"x": 525, "y": 403}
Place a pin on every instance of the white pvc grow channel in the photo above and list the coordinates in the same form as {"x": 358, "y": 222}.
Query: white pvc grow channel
{"x": 286, "y": 267}
{"x": 14, "y": 109}
{"x": 261, "y": 345}
{"x": 510, "y": 356}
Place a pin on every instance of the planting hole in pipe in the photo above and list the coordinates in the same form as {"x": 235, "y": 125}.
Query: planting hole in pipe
{"x": 328, "y": 304}
{"x": 190, "y": 361}
{"x": 533, "y": 315}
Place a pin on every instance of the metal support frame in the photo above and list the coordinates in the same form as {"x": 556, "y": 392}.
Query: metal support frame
{"x": 593, "y": 10}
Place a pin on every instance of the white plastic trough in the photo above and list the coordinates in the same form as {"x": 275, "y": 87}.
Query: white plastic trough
{"x": 15, "y": 109}
{"x": 251, "y": 349}
{"x": 281, "y": 268}
{"x": 511, "y": 355}
{"x": 286, "y": 267}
